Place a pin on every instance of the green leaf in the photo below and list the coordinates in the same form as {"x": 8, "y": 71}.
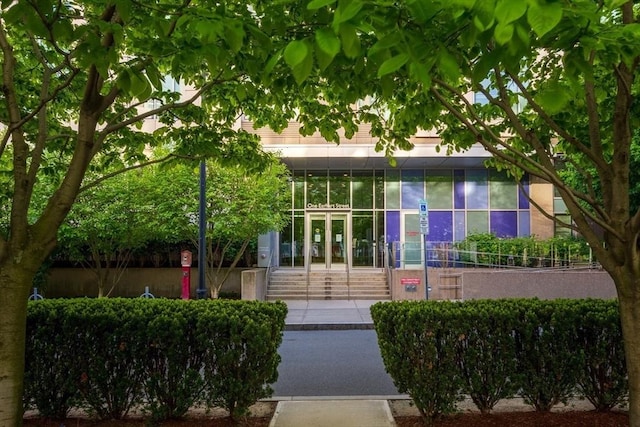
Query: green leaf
{"x": 421, "y": 10}
{"x": 350, "y": 40}
{"x": 124, "y": 9}
{"x": 421, "y": 72}
{"x": 323, "y": 59}
{"x": 503, "y": 33}
{"x": 553, "y": 98}
{"x": 347, "y": 9}
{"x": 389, "y": 40}
{"x": 448, "y": 65}
{"x": 508, "y": 11}
{"x": 234, "y": 34}
{"x": 272, "y": 62}
{"x": 317, "y": 4}
{"x": 140, "y": 86}
{"x": 484, "y": 15}
{"x": 392, "y": 64}
{"x": 467, "y": 4}
{"x": 544, "y": 18}
{"x": 302, "y": 70}
{"x": 328, "y": 42}
{"x": 295, "y": 53}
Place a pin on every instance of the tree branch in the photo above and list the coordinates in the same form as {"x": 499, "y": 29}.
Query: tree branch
{"x": 130, "y": 168}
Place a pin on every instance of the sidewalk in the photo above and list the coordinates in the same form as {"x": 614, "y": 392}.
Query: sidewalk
{"x": 329, "y": 314}
{"x": 333, "y": 413}
{"x": 336, "y": 411}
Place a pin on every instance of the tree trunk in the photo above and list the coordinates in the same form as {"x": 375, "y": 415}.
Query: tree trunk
{"x": 629, "y": 299}
{"x": 15, "y": 285}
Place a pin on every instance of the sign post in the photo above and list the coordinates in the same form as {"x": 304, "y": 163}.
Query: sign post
{"x": 423, "y": 211}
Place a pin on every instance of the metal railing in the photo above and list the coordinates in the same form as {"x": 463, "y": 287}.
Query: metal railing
{"x": 406, "y": 255}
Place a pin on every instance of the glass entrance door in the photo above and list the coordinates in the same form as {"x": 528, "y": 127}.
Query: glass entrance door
{"x": 328, "y": 240}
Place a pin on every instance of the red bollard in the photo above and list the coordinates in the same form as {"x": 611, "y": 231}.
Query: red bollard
{"x": 186, "y": 274}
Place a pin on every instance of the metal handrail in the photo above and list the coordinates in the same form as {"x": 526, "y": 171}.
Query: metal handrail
{"x": 346, "y": 263}
{"x": 308, "y": 270}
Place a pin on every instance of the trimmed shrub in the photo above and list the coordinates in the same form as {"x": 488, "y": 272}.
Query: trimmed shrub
{"x": 52, "y": 368}
{"x": 603, "y": 379}
{"x": 173, "y": 382}
{"x": 486, "y": 352}
{"x": 110, "y": 335}
{"x": 548, "y": 360}
{"x": 420, "y": 353}
{"x": 543, "y": 351}
{"x": 240, "y": 340}
{"x": 109, "y": 355}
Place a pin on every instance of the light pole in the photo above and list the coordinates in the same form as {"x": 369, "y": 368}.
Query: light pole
{"x": 202, "y": 230}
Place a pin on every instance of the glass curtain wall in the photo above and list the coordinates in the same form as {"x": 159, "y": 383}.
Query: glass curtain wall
{"x": 380, "y": 207}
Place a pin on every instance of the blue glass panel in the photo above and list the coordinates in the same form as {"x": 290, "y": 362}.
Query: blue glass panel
{"x": 477, "y": 189}
{"x": 440, "y": 226}
{"x": 523, "y": 202}
{"x": 412, "y": 188}
{"x": 524, "y": 223}
{"x": 459, "y": 225}
{"x": 503, "y": 223}
{"x": 393, "y": 232}
{"x": 458, "y": 188}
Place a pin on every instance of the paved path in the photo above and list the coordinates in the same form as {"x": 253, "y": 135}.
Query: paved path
{"x": 332, "y": 363}
{"x": 333, "y": 413}
{"x": 323, "y": 314}
{"x": 329, "y": 355}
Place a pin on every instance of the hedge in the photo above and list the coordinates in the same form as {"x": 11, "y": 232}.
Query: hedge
{"x": 165, "y": 356}
{"x": 542, "y": 351}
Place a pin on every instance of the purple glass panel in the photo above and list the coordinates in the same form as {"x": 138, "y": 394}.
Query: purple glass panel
{"x": 523, "y": 202}
{"x": 503, "y": 223}
{"x": 458, "y": 188}
{"x": 393, "y": 232}
{"x": 477, "y": 189}
{"x": 440, "y": 226}
{"x": 524, "y": 223}
{"x": 412, "y": 188}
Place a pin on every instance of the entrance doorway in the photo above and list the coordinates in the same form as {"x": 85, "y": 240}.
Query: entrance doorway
{"x": 328, "y": 240}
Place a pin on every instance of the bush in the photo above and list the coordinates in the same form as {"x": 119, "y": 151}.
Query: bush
{"x": 603, "y": 379}
{"x": 172, "y": 375}
{"x": 110, "y": 336}
{"x": 543, "y": 351}
{"x": 486, "y": 352}
{"x": 108, "y": 355}
{"x": 548, "y": 360}
{"x": 52, "y": 370}
{"x": 419, "y": 353}
{"x": 240, "y": 352}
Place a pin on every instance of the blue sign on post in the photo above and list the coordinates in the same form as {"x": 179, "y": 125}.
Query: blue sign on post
{"x": 423, "y": 211}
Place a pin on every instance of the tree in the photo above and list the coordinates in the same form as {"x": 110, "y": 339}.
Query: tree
{"x": 82, "y": 84}
{"x": 107, "y": 224}
{"x": 240, "y": 205}
{"x": 554, "y": 79}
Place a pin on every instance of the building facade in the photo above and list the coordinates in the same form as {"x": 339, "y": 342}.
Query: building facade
{"x": 348, "y": 205}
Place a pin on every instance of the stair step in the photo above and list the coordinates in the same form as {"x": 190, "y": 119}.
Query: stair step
{"x": 322, "y": 285}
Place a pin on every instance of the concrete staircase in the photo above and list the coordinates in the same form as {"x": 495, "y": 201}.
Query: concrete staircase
{"x": 291, "y": 284}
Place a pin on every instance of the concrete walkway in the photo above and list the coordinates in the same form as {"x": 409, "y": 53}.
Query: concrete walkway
{"x": 333, "y": 411}
{"x": 329, "y": 314}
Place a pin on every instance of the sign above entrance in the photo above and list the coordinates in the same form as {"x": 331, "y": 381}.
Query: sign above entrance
{"x": 327, "y": 206}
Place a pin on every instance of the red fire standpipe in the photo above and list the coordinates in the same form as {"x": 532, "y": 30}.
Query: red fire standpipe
{"x": 186, "y": 274}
